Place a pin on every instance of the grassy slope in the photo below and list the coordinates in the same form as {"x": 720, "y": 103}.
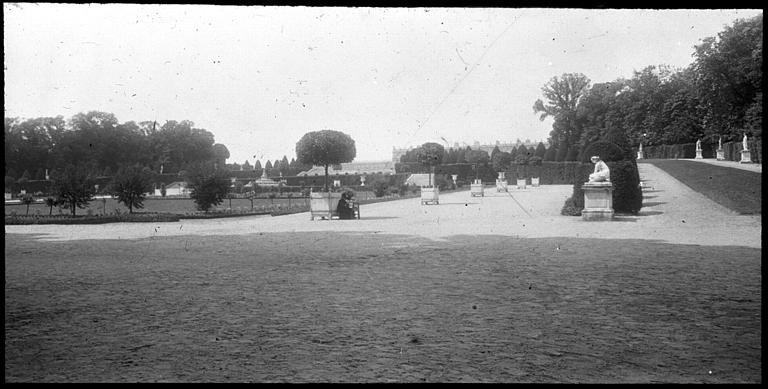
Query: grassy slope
{"x": 736, "y": 189}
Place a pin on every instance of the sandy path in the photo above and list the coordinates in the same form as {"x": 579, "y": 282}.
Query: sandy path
{"x": 672, "y": 213}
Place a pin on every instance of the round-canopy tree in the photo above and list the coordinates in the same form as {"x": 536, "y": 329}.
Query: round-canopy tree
{"x": 325, "y": 148}
{"x": 430, "y": 154}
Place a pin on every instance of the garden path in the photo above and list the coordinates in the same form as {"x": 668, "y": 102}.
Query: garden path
{"x": 672, "y": 212}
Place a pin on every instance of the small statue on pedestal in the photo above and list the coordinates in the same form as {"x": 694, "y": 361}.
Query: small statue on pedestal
{"x": 601, "y": 173}
{"x": 744, "y": 142}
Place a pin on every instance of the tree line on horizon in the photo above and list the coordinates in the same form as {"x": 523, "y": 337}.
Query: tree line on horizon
{"x": 718, "y": 96}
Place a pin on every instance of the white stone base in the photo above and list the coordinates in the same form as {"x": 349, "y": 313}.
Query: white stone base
{"x": 476, "y": 190}
{"x": 535, "y": 182}
{"x": 521, "y": 183}
{"x": 721, "y": 155}
{"x": 639, "y": 155}
{"x": 430, "y": 195}
{"x": 598, "y": 201}
{"x": 698, "y": 155}
{"x": 501, "y": 186}
{"x": 745, "y": 157}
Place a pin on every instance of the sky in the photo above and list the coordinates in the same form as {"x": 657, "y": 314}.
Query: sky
{"x": 259, "y": 77}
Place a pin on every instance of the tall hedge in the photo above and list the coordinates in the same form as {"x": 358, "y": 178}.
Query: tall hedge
{"x": 627, "y": 195}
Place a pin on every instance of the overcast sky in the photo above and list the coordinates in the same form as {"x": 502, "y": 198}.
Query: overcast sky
{"x": 260, "y": 77}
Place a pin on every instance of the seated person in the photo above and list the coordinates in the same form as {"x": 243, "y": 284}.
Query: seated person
{"x": 345, "y": 206}
{"x": 601, "y": 173}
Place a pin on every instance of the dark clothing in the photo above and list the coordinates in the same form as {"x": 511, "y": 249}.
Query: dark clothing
{"x": 344, "y": 209}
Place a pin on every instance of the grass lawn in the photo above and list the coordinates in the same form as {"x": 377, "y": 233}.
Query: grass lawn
{"x": 736, "y": 189}
{"x": 349, "y": 307}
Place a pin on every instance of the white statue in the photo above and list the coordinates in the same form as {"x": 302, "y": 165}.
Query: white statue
{"x": 641, "y": 147}
{"x": 601, "y": 173}
{"x": 720, "y": 143}
{"x": 744, "y": 143}
{"x": 698, "y": 144}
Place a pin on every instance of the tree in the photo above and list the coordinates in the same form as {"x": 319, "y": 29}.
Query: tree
{"x": 73, "y": 186}
{"x": 257, "y": 167}
{"x": 501, "y": 161}
{"x": 430, "y": 154}
{"x": 27, "y": 199}
{"x": 130, "y": 185}
{"x": 729, "y": 76}
{"x": 540, "y": 150}
{"x": 325, "y": 148}
{"x": 562, "y": 97}
{"x": 550, "y": 154}
{"x": 208, "y": 185}
{"x": 477, "y": 157}
{"x": 247, "y": 166}
{"x": 51, "y": 202}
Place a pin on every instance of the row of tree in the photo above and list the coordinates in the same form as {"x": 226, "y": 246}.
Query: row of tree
{"x": 274, "y": 169}
{"x": 718, "y": 95}
{"x": 101, "y": 144}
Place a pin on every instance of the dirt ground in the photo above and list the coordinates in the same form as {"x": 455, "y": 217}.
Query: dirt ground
{"x": 493, "y": 289}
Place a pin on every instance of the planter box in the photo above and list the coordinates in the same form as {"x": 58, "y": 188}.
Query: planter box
{"x": 476, "y": 189}
{"x": 521, "y": 183}
{"x": 501, "y": 186}
{"x": 430, "y": 195}
{"x": 323, "y": 204}
{"x": 535, "y": 182}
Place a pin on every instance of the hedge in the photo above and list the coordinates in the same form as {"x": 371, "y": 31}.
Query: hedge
{"x": 732, "y": 150}
{"x": 91, "y": 219}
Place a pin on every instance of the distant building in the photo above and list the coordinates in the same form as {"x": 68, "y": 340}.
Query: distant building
{"x": 177, "y": 188}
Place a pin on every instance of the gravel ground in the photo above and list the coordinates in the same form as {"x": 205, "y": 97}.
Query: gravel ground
{"x": 493, "y": 289}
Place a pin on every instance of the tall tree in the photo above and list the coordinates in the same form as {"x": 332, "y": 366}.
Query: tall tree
{"x": 562, "y": 97}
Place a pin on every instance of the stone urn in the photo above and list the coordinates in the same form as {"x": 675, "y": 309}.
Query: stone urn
{"x": 430, "y": 195}
{"x": 476, "y": 188}
{"x": 322, "y": 204}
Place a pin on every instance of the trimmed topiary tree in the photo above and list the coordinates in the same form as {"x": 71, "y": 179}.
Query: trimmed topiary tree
{"x": 430, "y": 154}
{"x": 325, "y": 148}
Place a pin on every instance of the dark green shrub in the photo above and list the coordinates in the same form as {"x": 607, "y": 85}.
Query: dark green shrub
{"x": 627, "y": 195}
{"x": 570, "y": 208}
{"x": 607, "y": 151}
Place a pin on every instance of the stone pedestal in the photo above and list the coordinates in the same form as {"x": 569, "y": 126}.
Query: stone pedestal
{"x": 598, "y": 201}
{"x": 745, "y": 158}
{"x": 535, "y": 182}
{"x": 698, "y": 155}
{"x": 521, "y": 183}
{"x": 720, "y": 155}
{"x": 639, "y": 155}
{"x": 501, "y": 186}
